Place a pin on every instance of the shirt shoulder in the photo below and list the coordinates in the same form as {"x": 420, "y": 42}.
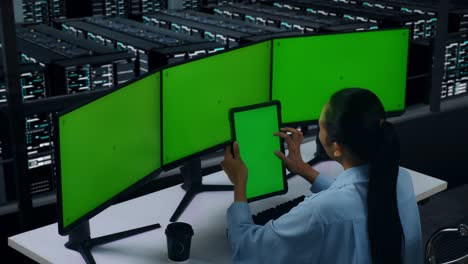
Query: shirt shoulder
{"x": 346, "y": 203}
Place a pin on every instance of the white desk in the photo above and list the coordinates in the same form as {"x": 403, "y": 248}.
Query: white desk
{"x": 206, "y": 213}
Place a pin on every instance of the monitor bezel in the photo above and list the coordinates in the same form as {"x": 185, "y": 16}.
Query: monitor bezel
{"x": 388, "y": 114}
{"x": 66, "y": 230}
{"x": 276, "y": 103}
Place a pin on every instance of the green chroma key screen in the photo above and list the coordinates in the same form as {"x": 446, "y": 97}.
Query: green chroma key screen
{"x": 253, "y": 130}
{"x": 197, "y": 97}
{"x": 308, "y": 70}
{"x": 108, "y": 145}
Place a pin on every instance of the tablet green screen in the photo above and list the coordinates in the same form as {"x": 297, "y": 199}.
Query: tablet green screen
{"x": 254, "y": 133}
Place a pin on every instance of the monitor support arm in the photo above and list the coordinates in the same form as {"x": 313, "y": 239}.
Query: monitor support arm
{"x": 80, "y": 239}
{"x": 192, "y": 173}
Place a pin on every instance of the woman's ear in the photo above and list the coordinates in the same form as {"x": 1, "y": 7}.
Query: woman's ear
{"x": 338, "y": 150}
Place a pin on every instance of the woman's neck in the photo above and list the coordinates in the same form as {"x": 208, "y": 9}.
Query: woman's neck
{"x": 348, "y": 163}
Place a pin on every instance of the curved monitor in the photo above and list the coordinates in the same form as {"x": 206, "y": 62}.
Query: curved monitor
{"x": 197, "y": 97}
{"x": 106, "y": 147}
{"x": 308, "y": 70}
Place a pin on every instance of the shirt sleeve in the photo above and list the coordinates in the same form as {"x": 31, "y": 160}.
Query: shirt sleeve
{"x": 322, "y": 182}
{"x": 410, "y": 218}
{"x": 294, "y": 236}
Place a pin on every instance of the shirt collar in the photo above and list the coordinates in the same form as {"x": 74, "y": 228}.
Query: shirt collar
{"x": 352, "y": 175}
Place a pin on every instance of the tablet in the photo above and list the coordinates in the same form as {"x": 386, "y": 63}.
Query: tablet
{"x": 253, "y": 128}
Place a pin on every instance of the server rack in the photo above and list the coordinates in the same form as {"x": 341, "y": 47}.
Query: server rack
{"x": 455, "y": 70}
{"x": 126, "y": 8}
{"x": 192, "y": 4}
{"x": 224, "y": 36}
{"x": 109, "y": 7}
{"x": 212, "y": 19}
{"x": 201, "y": 4}
{"x": 222, "y": 2}
{"x": 139, "y": 48}
{"x": 137, "y": 29}
{"x": 32, "y": 79}
{"x": 330, "y": 23}
{"x": 266, "y": 19}
{"x": 38, "y": 143}
{"x": 455, "y": 78}
{"x": 82, "y": 64}
{"x": 43, "y": 11}
{"x": 422, "y": 25}
{"x": 154, "y": 47}
{"x": 176, "y": 47}
{"x": 36, "y": 11}
{"x": 175, "y": 43}
{"x": 458, "y": 20}
{"x": 458, "y": 16}
{"x": 413, "y": 7}
{"x": 149, "y": 6}
{"x": 57, "y": 9}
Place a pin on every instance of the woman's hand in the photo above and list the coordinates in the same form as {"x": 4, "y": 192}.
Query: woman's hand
{"x": 236, "y": 171}
{"x": 293, "y": 161}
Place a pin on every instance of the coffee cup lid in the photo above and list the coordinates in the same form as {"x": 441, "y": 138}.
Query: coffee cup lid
{"x": 179, "y": 228}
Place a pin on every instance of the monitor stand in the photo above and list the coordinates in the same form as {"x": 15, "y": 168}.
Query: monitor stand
{"x": 80, "y": 239}
{"x": 192, "y": 173}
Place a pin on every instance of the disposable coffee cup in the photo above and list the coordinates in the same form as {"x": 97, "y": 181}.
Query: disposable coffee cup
{"x": 179, "y": 237}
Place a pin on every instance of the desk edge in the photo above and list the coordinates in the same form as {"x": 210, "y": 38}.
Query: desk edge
{"x": 433, "y": 192}
{"x": 16, "y": 246}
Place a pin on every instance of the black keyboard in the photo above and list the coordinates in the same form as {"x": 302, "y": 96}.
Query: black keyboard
{"x": 274, "y": 213}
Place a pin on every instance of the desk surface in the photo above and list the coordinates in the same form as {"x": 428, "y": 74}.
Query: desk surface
{"x": 206, "y": 213}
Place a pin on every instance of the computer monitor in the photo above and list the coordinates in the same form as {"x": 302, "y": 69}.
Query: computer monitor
{"x": 106, "y": 147}
{"x": 308, "y": 70}
{"x": 197, "y": 96}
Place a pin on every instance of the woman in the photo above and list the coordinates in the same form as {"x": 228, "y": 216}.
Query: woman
{"x": 367, "y": 215}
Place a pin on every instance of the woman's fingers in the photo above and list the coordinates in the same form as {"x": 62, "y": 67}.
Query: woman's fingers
{"x": 285, "y": 136}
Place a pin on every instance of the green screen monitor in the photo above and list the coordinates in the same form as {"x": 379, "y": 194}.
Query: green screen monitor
{"x": 253, "y": 128}
{"x": 197, "y": 97}
{"x": 106, "y": 147}
{"x": 307, "y": 71}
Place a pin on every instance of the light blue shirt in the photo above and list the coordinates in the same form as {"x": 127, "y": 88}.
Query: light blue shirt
{"x": 329, "y": 226}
